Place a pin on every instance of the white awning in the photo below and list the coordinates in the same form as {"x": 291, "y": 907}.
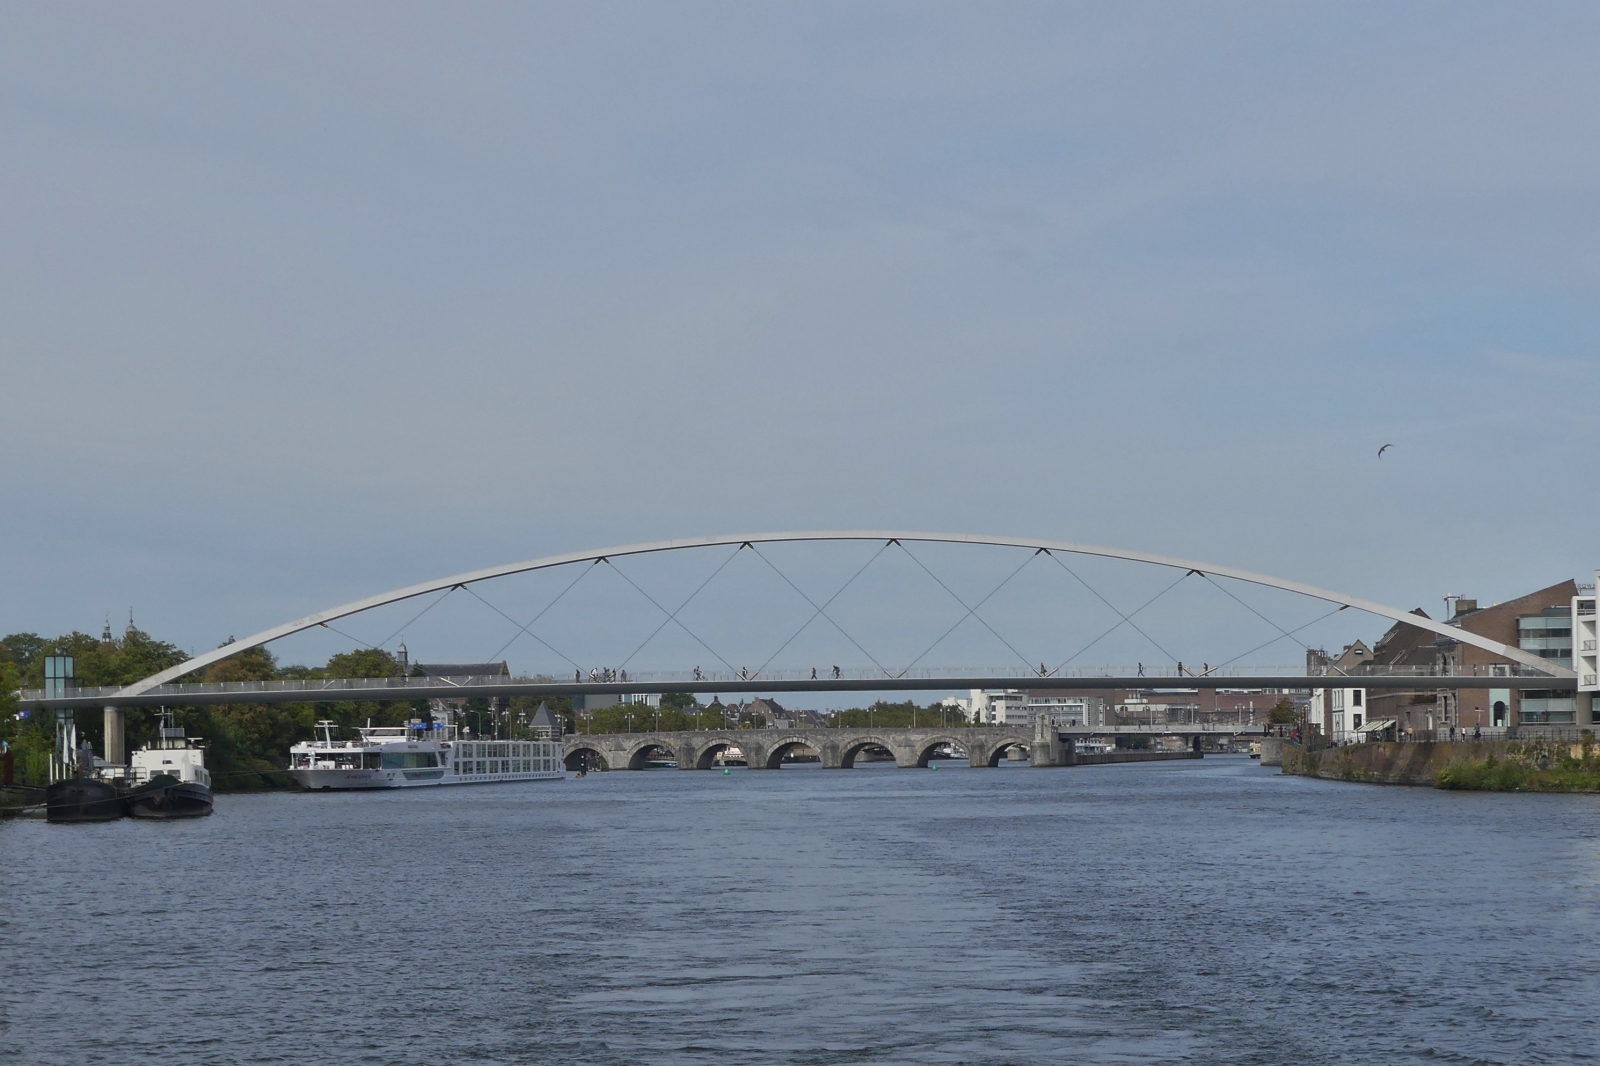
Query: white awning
{"x": 1377, "y": 727}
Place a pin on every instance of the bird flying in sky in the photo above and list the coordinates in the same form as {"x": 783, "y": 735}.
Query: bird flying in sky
{"x": 1383, "y": 449}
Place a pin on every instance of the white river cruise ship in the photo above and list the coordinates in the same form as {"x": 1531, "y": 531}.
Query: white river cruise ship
{"x": 416, "y": 756}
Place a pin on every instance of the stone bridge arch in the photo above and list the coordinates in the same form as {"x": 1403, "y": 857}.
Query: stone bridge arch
{"x": 852, "y": 747}
{"x": 774, "y": 749}
{"x": 986, "y": 748}
{"x": 582, "y": 756}
{"x": 700, "y": 753}
{"x": 638, "y": 752}
{"x": 925, "y": 747}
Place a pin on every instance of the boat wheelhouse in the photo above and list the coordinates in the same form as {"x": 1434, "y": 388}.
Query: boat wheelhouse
{"x": 417, "y": 755}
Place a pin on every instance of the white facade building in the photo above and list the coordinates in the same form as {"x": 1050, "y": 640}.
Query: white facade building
{"x": 1339, "y": 713}
{"x": 1015, "y": 707}
{"x": 1585, "y": 656}
{"x": 992, "y": 706}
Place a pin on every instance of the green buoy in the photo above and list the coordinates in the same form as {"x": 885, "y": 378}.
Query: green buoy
{"x": 726, "y": 770}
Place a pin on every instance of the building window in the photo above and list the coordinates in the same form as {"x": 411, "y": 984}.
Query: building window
{"x": 1355, "y": 697}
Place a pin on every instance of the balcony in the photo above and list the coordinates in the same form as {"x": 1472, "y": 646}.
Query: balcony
{"x": 1557, "y": 711}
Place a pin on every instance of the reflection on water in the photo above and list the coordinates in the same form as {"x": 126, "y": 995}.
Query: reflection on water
{"x": 1209, "y": 912}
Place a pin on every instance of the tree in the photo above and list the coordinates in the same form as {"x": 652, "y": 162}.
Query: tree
{"x": 1283, "y": 713}
{"x": 21, "y": 649}
{"x": 364, "y": 662}
{"x": 254, "y": 664}
{"x": 680, "y": 700}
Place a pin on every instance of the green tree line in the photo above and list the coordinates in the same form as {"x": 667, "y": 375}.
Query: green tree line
{"x": 248, "y": 744}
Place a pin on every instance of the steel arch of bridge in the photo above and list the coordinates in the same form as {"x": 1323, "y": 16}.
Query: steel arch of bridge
{"x": 334, "y": 613}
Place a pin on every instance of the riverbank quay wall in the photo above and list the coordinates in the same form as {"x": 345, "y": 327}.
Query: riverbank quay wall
{"x": 1386, "y": 763}
{"x": 1390, "y": 763}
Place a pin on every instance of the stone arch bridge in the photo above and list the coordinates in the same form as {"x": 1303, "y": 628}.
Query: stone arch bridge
{"x": 765, "y": 749}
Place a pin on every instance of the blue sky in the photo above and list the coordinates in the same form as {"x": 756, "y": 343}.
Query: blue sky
{"x": 305, "y": 302}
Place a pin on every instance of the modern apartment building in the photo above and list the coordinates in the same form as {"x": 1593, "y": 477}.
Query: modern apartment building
{"x": 1586, "y": 660}
{"x": 1016, "y": 707}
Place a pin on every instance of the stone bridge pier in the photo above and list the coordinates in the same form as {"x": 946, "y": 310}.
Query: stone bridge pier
{"x": 765, "y": 749}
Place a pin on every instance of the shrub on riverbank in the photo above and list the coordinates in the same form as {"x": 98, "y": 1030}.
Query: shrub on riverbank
{"x": 1529, "y": 766}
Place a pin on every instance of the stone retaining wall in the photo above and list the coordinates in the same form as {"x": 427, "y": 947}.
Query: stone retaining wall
{"x": 1388, "y": 763}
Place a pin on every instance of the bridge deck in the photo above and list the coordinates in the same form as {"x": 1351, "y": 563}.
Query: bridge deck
{"x": 411, "y": 688}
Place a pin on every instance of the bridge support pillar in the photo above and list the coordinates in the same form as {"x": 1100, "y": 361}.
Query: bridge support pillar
{"x": 116, "y": 743}
{"x": 1049, "y": 748}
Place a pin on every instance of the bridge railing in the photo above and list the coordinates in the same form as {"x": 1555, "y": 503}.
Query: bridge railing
{"x": 396, "y": 687}
{"x": 1486, "y": 671}
{"x": 687, "y": 678}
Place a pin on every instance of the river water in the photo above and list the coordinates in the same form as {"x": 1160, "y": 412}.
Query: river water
{"x": 1204, "y": 912}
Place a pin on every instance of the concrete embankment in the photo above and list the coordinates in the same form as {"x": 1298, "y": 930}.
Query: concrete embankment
{"x": 1387, "y": 763}
{"x": 1099, "y": 757}
{"x": 15, "y": 801}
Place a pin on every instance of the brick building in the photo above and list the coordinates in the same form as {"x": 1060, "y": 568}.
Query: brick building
{"x": 1540, "y": 623}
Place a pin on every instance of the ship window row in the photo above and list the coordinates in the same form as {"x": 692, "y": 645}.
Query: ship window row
{"x": 409, "y": 760}
{"x": 505, "y": 766}
{"x": 504, "y": 749}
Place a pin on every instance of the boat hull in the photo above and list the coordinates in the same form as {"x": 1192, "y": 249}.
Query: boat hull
{"x": 169, "y": 799}
{"x": 82, "y": 800}
{"x": 354, "y": 780}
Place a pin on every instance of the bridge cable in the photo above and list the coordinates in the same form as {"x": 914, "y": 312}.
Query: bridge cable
{"x": 513, "y": 621}
{"x": 436, "y": 601}
{"x": 1257, "y": 613}
{"x": 973, "y": 610}
{"x": 669, "y": 614}
{"x": 1275, "y": 640}
{"x": 886, "y": 671}
{"x": 583, "y": 573}
{"x": 347, "y": 636}
{"x": 824, "y": 606}
{"x": 1126, "y": 618}
{"x": 674, "y": 615}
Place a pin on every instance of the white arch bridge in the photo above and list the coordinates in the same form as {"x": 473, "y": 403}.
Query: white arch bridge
{"x": 1523, "y": 669}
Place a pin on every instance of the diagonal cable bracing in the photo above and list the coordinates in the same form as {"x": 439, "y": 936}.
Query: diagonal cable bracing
{"x": 1126, "y": 618}
{"x": 970, "y": 610}
{"x": 436, "y": 601}
{"x": 663, "y": 610}
{"x": 819, "y": 610}
{"x": 973, "y": 610}
{"x": 1257, "y": 613}
{"x": 347, "y": 636}
{"x": 673, "y": 617}
{"x": 825, "y": 614}
{"x": 583, "y": 573}
{"x": 1274, "y": 640}
{"x": 513, "y": 621}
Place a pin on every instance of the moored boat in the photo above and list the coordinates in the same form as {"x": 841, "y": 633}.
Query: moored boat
{"x": 169, "y": 779}
{"x": 418, "y": 755}
{"x": 82, "y": 799}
